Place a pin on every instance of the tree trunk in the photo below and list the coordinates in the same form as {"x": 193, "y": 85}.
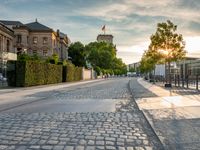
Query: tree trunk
{"x": 169, "y": 76}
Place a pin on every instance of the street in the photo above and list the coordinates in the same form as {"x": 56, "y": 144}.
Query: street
{"x": 96, "y": 115}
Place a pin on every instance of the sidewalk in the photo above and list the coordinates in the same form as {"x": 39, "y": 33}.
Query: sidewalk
{"x": 174, "y": 114}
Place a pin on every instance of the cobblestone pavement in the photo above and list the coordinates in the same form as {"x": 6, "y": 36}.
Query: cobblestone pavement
{"x": 124, "y": 129}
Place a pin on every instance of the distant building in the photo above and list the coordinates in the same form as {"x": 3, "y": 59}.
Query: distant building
{"x": 6, "y": 47}
{"x": 134, "y": 66}
{"x": 108, "y": 38}
{"x": 36, "y": 38}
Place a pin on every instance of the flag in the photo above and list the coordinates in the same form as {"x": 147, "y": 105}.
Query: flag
{"x": 104, "y": 28}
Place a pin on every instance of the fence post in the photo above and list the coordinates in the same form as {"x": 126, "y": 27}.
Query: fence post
{"x": 175, "y": 79}
{"x": 178, "y": 81}
{"x": 182, "y": 82}
{"x": 187, "y": 81}
{"x": 197, "y": 82}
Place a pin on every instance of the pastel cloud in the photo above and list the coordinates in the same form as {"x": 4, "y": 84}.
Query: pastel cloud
{"x": 130, "y": 21}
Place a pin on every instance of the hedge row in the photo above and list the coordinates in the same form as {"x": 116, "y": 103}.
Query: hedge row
{"x": 72, "y": 73}
{"x": 31, "y": 73}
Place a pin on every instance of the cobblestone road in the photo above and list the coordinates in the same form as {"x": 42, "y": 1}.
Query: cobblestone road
{"x": 124, "y": 129}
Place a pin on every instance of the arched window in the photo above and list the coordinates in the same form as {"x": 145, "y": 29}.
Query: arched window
{"x": 45, "y": 52}
{"x": 8, "y": 46}
{"x": 34, "y": 51}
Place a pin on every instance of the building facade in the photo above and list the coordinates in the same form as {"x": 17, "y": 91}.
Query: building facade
{"x": 108, "y": 38}
{"x": 6, "y": 47}
{"x": 37, "y": 39}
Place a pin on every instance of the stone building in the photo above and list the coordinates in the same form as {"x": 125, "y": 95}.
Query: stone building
{"x": 108, "y": 38}
{"x": 36, "y": 38}
{"x": 6, "y": 46}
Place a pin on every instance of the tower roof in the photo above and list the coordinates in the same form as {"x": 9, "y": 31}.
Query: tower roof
{"x": 36, "y": 26}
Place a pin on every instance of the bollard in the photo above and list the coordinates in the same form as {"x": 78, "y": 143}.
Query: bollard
{"x": 187, "y": 82}
{"x": 178, "y": 81}
{"x": 197, "y": 82}
{"x": 175, "y": 79}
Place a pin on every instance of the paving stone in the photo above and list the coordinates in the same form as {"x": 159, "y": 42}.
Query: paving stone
{"x": 90, "y": 148}
{"x": 79, "y": 148}
{"x": 47, "y": 147}
{"x": 121, "y": 148}
{"x": 52, "y": 142}
{"x": 58, "y": 147}
{"x": 69, "y": 148}
{"x": 35, "y": 147}
{"x": 100, "y": 142}
{"x": 139, "y": 148}
{"x": 110, "y": 148}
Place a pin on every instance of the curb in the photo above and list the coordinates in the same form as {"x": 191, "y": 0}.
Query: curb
{"x": 132, "y": 94}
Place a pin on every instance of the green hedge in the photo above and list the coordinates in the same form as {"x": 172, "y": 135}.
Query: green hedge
{"x": 11, "y": 73}
{"x": 31, "y": 73}
{"x": 71, "y": 73}
{"x": 78, "y": 74}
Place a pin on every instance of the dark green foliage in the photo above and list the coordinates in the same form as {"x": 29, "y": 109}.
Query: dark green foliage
{"x": 31, "y": 73}
{"x": 26, "y": 57}
{"x": 72, "y": 73}
{"x": 78, "y": 73}
{"x": 102, "y": 57}
{"x": 53, "y": 59}
{"x": 60, "y": 63}
{"x": 11, "y": 74}
{"x": 77, "y": 54}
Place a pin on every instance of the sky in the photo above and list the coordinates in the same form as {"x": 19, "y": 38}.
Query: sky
{"x": 131, "y": 22}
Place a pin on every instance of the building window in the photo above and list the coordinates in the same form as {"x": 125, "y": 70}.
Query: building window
{"x": 35, "y": 40}
{"x": 45, "y": 52}
{"x": 8, "y": 46}
{"x": 45, "y": 40}
{"x": 19, "y": 38}
{"x": 34, "y": 52}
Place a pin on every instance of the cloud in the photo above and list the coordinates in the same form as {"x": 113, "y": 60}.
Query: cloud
{"x": 130, "y": 21}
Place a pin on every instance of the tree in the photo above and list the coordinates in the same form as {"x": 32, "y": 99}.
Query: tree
{"x": 166, "y": 46}
{"x": 77, "y": 53}
{"x": 100, "y": 54}
{"x": 102, "y": 57}
{"x": 168, "y": 43}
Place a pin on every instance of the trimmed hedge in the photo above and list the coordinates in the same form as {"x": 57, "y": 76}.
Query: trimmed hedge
{"x": 31, "y": 73}
{"x": 72, "y": 73}
{"x": 11, "y": 73}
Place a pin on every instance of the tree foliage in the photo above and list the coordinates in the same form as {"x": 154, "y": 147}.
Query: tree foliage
{"x": 166, "y": 46}
{"x": 77, "y": 54}
{"x": 102, "y": 57}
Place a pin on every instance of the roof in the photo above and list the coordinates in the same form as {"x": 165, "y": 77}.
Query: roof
{"x": 36, "y": 26}
{"x": 7, "y": 22}
{"x": 62, "y": 35}
{"x": 6, "y": 29}
{"x": 105, "y": 35}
